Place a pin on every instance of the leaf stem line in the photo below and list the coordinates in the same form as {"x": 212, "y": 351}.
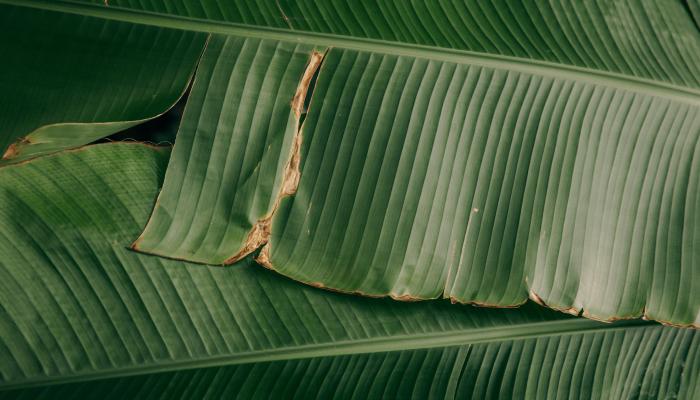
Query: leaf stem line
{"x": 610, "y": 79}
{"x": 349, "y": 347}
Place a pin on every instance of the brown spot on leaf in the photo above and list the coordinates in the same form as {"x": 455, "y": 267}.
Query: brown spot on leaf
{"x": 258, "y": 235}
{"x": 11, "y": 152}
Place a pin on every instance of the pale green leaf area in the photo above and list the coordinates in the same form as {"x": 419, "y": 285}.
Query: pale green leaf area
{"x": 417, "y": 174}
{"x": 431, "y": 179}
{"x": 82, "y": 316}
{"x": 67, "y": 80}
{"x": 227, "y": 166}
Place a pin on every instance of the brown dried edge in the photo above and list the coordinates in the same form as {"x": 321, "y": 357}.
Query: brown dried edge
{"x": 82, "y": 148}
{"x": 263, "y": 259}
{"x": 259, "y": 235}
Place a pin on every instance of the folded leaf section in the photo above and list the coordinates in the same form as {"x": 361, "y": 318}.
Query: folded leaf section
{"x": 424, "y": 179}
{"x": 232, "y": 151}
{"x": 68, "y": 80}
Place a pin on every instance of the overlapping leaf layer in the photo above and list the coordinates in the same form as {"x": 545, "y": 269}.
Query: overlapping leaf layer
{"x": 478, "y": 178}
{"x": 68, "y": 80}
{"x": 424, "y": 179}
{"x": 228, "y": 166}
{"x": 75, "y": 300}
{"x": 77, "y": 305}
{"x": 474, "y": 151}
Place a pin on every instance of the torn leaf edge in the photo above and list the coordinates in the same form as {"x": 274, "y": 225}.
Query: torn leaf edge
{"x": 260, "y": 233}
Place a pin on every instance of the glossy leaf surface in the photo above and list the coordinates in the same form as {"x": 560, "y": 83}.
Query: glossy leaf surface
{"x": 67, "y": 80}
{"x": 228, "y": 164}
{"x": 570, "y": 176}
{"x": 84, "y": 317}
{"x": 423, "y": 179}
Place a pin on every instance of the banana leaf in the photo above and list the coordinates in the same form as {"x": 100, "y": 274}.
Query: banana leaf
{"x": 548, "y": 152}
{"x": 82, "y": 316}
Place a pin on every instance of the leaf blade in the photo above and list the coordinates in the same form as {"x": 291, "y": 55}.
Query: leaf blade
{"x": 91, "y": 318}
{"x": 238, "y": 132}
{"x": 89, "y": 78}
{"x": 422, "y": 179}
{"x": 600, "y": 35}
{"x": 471, "y": 371}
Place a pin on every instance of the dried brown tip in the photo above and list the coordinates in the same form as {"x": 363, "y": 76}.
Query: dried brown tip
{"x": 13, "y": 149}
{"x": 263, "y": 257}
{"x": 405, "y": 297}
{"x": 11, "y": 152}
{"x": 536, "y": 298}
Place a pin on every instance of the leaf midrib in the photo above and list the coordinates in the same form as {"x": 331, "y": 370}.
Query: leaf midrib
{"x": 543, "y": 68}
{"x": 349, "y": 347}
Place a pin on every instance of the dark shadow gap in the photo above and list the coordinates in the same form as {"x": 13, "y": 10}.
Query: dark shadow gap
{"x": 160, "y": 130}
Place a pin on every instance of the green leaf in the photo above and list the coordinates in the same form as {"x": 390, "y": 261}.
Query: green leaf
{"x": 67, "y": 80}
{"x": 81, "y": 316}
{"x": 644, "y": 364}
{"x": 651, "y": 39}
{"x": 694, "y": 8}
{"x": 424, "y": 179}
{"x": 430, "y": 172}
{"x": 238, "y": 132}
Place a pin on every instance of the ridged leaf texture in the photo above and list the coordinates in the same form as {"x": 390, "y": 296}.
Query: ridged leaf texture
{"x": 481, "y": 152}
{"x": 431, "y": 179}
{"x": 483, "y": 182}
{"x": 651, "y": 39}
{"x": 84, "y": 317}
{"x": 237, "y": 133}
{"x": 601, "y": 365}
{"x": 67, "y": 80}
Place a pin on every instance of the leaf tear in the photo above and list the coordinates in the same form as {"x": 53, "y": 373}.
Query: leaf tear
{"x": 259, "y": 235}
{"x": 307, "y": 77}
